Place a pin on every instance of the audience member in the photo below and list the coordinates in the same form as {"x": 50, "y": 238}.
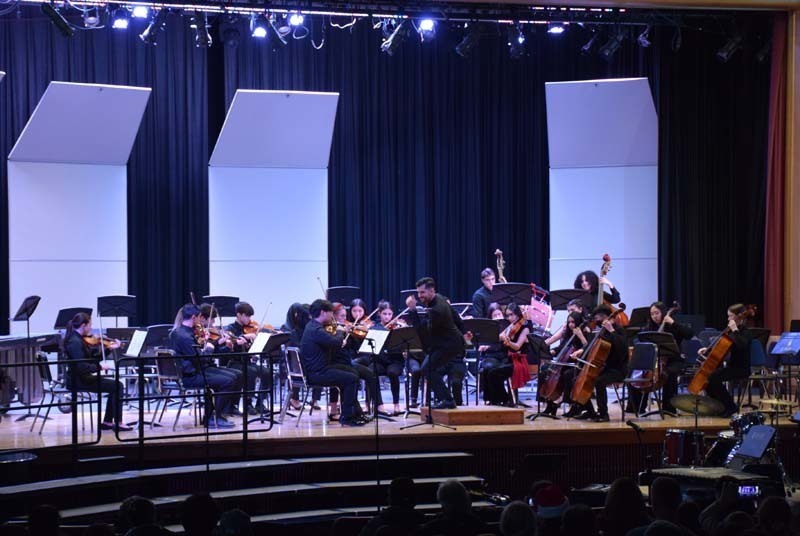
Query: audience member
{"x": 734, "y": 524}
{"x": 661, "y": 527}
{"x": 456, "y": 518}
{"x": 624, "y": 510}
{"x": 517, "y": 519}
{"x": 199, "y": 515}
{"x": 665, "y": 498}
{"x": 774, "y": 516}
{"x": 135, "y": 511}
{"x": 578, "y": 520}
{"x": 234, "y": 523}
{"x": 688, "y": 516}
{"x": 726, "y": 503}
{"x": 400, "y": 513}
{"x": 549, "y": 505}
{"x": 99, "y": 528}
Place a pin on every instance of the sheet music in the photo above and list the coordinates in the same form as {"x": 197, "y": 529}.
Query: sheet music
{"x": 259, "y": 343}
{"x": 136, "y": 344}
{"x": 378, "y": 337}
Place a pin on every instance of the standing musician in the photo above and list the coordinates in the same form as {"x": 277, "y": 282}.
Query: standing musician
{"x": 441, "y": 339}
{"x": 390, "y": 364}
{"x": 316, "y": 351}
{"x": 615, "y": 367}
{"x": 244, "y": 331}
{"x": 515, "y": 339}
{"x": 590, "y": 282}
{"x": 198, "y": 368}
{"x": 577, "y": 344}
{"x": 738, "y": 365}
{"x": 83, "y": 376}
{"x": 482, "y": 296}
{"x": 495, "y": 366}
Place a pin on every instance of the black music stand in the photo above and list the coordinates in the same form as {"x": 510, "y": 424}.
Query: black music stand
{"x": 787, "y": 353}
{"x": 65, "y": 315}
{"x": 344, "y": 295}
{"x": 559, "y": 299}
{"x": 224, "y": 305}
{"x": 157, "y": 335}
{"x": 404, "y": 340}
{"x": 116, "y": 306}
{"x": 639, "y": 317}
{"x": 24, "y": 313}
{"x": 274, "y": 344}
{"x": 667, "y": 350}
{"x": 505, "y": 293}
{"x": 462, "y": 308}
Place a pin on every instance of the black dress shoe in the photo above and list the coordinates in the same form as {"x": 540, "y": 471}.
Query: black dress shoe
{"x": 251, "y": 410}
{"x": 236, "y": 412}
{"x": 574, "y": 411}
{"x": 586, "y": 416}
{"x": 444, "y": 405}
{"x": 351, "y": 422}
{"x": 603, "y": 417}
{"x": 413, "y": 404}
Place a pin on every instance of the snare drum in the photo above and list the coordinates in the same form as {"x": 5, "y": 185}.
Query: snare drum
{"x": 725, "y": 446}
{"x": 679, "y": 446}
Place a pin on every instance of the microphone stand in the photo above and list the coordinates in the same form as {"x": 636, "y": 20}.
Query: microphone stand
{"x": 376, "y": 416}
{"x": 645, "y": 458}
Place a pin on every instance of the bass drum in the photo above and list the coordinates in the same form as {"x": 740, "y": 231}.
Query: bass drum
{"x": 680, "y": 445}
{"x": 721, "y": 452}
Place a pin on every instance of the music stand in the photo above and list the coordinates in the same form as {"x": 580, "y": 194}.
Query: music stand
{"x": 667, "y": 350}
{"x": 157, "y": 335}
{"x": 639, "y": 317}
{"x": 24, "y": 313}
{"x": 65, "y": 315}
{"x": 462, "y": 308}
{"x": 696, "y": 322}
{"x": 559, "y": 299}
{"x": 274, "y": 343}
{"x": 344, "y": 295}
{"x": 505, "y": 293}
{"x": 224, "y": 305}
{"x": 116, "y": 306}
{"x": 786, "y": 351}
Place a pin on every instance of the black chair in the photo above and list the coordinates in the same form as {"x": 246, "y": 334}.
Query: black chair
{"x": 170, "y": 379}
{"x": 644, "y": 375}
{"x": 58, "y": 389}
{"x": 296, "y": 378}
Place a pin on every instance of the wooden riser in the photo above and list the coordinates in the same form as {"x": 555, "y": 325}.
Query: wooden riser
{"x": 476, "y": 415}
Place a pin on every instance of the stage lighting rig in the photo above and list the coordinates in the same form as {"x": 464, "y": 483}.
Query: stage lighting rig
{"x": 608, "y": 50}
{"x": 150, "y": 34}
{"x": 202, "y": 39}
{"x": 57, "y": 19}
{"x": 470, "y": 40}
{"x": 393, "y": 42}
{"x": 729, "y": 48}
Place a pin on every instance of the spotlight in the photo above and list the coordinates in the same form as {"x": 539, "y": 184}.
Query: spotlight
{"x": 258, "y": 26}
{"x": 392, "y": 43}
{"x": 202, "y": 39}
{"x": 587, "y": 48}
{"x": 555, "y": 29}
{"x": 279, "y": 31}
{"x": 58, "y": 20}
{"x": 119, "y": 19}
{"x": 608, "y": 50}
{"x": 140, "y": 12}
{"x": 677, "y": 39}
{"x": 284, "y": 28}
{"x": 229, "y": 31}
{"x": 91, "y": 18}
{"x": 644, "y": 38}
{"x": 729, "y": 49}
{"x": 296, "y": 19}
{"x": 426, "y": 29}
{"x": 150, "y": 34}
{"x": 464, "y": 48}
{"x": 516, "y": 42}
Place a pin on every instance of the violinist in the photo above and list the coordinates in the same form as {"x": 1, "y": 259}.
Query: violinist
{"x": 738, "y": 364}
{"x": 390, "y": 364}
{"x": 83, "y": 376}
{"x": 590, "y": 282}
{"x": 243, "y": 332}
{"x": 661, "y": 321}
{"x": 223, "y": 344}
{"x": 481, "y": 298}
{"x": 296, "y": 319}
{"x": 495, "y": 367}
{"x": 515, "y": 340}
{"x": 198, "y": 368}
{"x": 577, "y": 343}
{"x": 615, "y": 367}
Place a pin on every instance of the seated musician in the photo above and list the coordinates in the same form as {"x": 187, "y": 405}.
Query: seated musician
{"x": 83, "y": 376}
{"x": 576, "y": 338}
{"x": 223, "y": 344}
{"x": 317, "y": 347}
{"x": 296, "y": 320}
{"x": 515, "y": 339}
{"x": 495, "y": 366}
{"x": 481, "y": 298}
{"x": 242, "y": 341}
{"x": 738, "y": 364}
{"x": 574, "y": 306}
{"x": 198, "y": 368}
{"x": 615, "y": 367}
{"x": 390, "y": 363}
{"x": 590, "y": 282}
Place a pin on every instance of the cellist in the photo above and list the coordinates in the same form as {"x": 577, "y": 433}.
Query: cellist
{"x": 660, "y": 320}
{"x": 577, "y": 343}
{"x": 738, "y": 365}
{"x": 615, "y": 367}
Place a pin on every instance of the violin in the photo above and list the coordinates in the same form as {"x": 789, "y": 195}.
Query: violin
{"x": 252, "y": 328}
{"x": 94, "y": 340}
{"x": 512, "y": 331}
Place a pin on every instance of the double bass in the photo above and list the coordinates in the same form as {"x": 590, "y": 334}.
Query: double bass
{"x": 716, "y": 354}
{"x": 621, "y": 318}
{"x": 594, "y": 361}
{"x": 552, "y": 389}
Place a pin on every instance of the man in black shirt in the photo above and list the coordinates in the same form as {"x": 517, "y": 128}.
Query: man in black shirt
{"x": 198, "y": 368}
{"x": 482, "y": 297}
{"x": 241, "y": 343}
{"x": 316, "y": 351}
{"x": 441, "y": 339}
{"x": 738, "y": 366}
{"x": 615, "y": 368}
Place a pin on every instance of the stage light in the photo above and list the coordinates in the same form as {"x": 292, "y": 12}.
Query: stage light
{"x": 464, "y": 48}
{"x": 296, "y": 19}
{"x": 729, "y": 48}
{"x": 202, "y": 39}
{"x": 587, "y": 48}
{"x": 258, "y": 26}
{"x": 150, "y": 34}
{"x": 58, "y": 20}
{"x": 644, "y": 38}
{"x": 393, "y": 42}
{"x": 608, "y": 50}
{"x": 426, "y": 29}
{"x": 516, "y": 42}
{"x": 119, "y": 19}
{"x": 91, "y": 18}
{"x": 229, "y": 31}
{"x": 555, "y": 29}
{"x": 140, "y": 12}
{"x": 279, "y": 32}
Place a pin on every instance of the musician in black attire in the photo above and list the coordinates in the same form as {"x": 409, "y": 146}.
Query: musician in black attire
{"x": 590, "y": 282}
{"x": 316, "y": 349}
{"x": 83, "y": 376}
{"x": 241, "y": 343}
{"x": 738, "y": 365}
{"x": 615, "y": 368}
{"x": 198, "y": 368}
{"x": 296, "y": 319}
{"x": 681, "y": 332}
{"x": 577, "y": 339}
{"x": 390, "y": 362}
{"x": 482, "y": 297}
{"x": 495, "y": 366}
{"x": 441, "y": 339}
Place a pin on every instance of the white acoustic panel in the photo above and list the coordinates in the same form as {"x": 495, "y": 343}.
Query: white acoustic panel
{"x": 262, "y": 282}
{"x": 268, "y": 214}
{"x": 67, "y": 212}
{"x": 601, "y": 123}
{"x": 82, "y": 123}
{"x": 281, "y": 129}
{"x": 62, "y": 285}
{"x": 605, "y": 209}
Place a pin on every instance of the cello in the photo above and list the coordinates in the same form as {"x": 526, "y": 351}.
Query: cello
{"x": 553, "y": 387}
{"x": 716, "y": 354}
{"x": 647, "y": 384}
{"x": 594, "y": 362}
{"x": 621, "y": 319}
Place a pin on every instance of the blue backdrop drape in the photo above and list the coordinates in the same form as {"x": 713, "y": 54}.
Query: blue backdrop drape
{"x": 436, "y": 160}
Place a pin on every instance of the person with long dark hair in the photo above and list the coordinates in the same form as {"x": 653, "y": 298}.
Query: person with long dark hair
{"x": 389, "y": 364}
{"x": 296, "y": 319}
{"x": 83, "y": 375}
{"x": 674, "y": 366}
{"x": 577, "y": 339}
{"x": 495, "y": 366}
{"x": 590, "y": 282}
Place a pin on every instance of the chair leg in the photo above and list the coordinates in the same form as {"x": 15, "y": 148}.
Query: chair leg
{"x": 305, "y": 392}
{"x": 46, "y": 414}
{"x": 180, "y": 408}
